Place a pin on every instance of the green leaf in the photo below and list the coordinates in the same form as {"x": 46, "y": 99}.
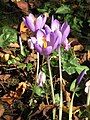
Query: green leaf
{"x": 80, "y": 68}
{"x": 41, "y": 10}
{"x": 29, "y": 66}
{"x": 38, "y": 90}
{"x": 73, "y": 85}
{"x": 22, "y": 66}
{"x": 7, "y": 35}
{"x": 64, "y": 9}
{"x": 57, "y": 98}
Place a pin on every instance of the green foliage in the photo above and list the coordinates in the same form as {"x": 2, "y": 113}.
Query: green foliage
{"x": 7, "y": 35}
{"x": 57, "y": 98}
{"x": 73, "y": 86}
{"x": 64, "y": 9}
{"x": 75, "y": 12}
{"x": 29, "y": 66}
{"x": 70, "y": 63}
{"x": 38, "y": 90}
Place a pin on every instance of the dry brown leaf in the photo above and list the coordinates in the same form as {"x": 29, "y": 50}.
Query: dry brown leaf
{"x": 21, "y": 88}
{"x": 1, "y": 55}
{"x": 7, "y": 117}
{"x": 6, "y": 57}
{"x": 14, "y": 45}
{"x": 1, "y": 110}
{"x": 32, "y": 57}
{"x": 5, "y": 77}
{"x": 7, "y": 98}
{"x": 88, "y": 56}
{"x": 23, "y": 6}
{"x": 6, "y": 51}
{"x": 23, "y": 31}
{"x": 78, "y": 48}
{"x": 83, "y": 58}
{"x": 19, "y": 118}
{"x": 11, "y": 96}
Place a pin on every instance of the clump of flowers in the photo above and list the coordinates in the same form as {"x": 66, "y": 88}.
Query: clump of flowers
{"x": 46, "y": 40}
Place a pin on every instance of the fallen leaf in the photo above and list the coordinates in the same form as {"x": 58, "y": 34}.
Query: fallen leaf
{"x": 23, "y": 6}
{"x": 21, "y": 88}
{"x": 88, "y": 56}
{"x": 1, "y": 110}
{"x": 11, "y": 96}
{"x": 7, "y": 117}
{"x": 19, "y": 118}
{"x": 14, "y": 45}
{"x": 5, "y": 77}
{"x": 23, "y": 31}
{"x": 78, "y": 48}
{"x": 6, "y": 57}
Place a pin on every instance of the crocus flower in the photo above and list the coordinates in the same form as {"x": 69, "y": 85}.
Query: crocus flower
{"x": 87, "y": 86}
{"x": 41, "y": 79}
{"x": 55, "y": 25}
{"x": 64, "y": 29}
{"x": 81, "y": 76}
{"x": 34, "y": 23}
{"x": 45, "y": 43}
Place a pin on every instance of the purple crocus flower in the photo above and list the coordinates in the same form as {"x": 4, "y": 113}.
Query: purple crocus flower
{"x": 81, "y": 76}
{"x": 55, "y": 25}
{"x": 64, "y": 29}
{"x": 45, "y": 43}
{"x": 33, "y": 23}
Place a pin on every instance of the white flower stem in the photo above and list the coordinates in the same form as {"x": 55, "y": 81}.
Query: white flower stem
{"x": 71, "y": 105}
{"x": 61, "y": 94}
{"x": 88, "y": 99}
{"x": 52, "y": 88}
{"x": 37, "y": 66}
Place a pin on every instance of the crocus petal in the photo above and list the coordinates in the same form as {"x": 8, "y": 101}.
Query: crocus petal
{"x": 66, "y": 44}
{"x": 65, "y": 29}
{"x": 52, "y": 39}
{"x": 87, "y": 83}
{"x": 55, "y": 25}
{"x": 33, "y": 40}
{"x": 29, "y": 22}
{"x": 81, "y": 76}
{"x": 38, "y": 48}
{"x": 47, "y": 51}
{"x": 44, "y": 20}
{"x": 59, "y": 34}
{"x": 47, "y": 29}
{"x": 41, "y": 79}
{"x": 38, "y": 24}
{"x": 40, "y": 36}
{"x": 30, "y": 44}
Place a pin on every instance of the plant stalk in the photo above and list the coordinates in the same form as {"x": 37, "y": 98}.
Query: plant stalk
{"x": 88, "y": 99}
{"x": 61, "y": 94}
{"x": 71, "y": 105}
{"x": 37, "y": 67}
{"x": 52, "y": 88}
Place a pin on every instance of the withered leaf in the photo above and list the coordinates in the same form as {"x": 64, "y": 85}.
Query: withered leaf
{"x": 7, "y": 117}
{"x": 14, "y": 45}
{"x": 78, "y": 47}
{"x": 5, "y": 77}
{"x": 23, "y": 6}
{"x": 11, "y": 96}
{"x": 1, "y": 109}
